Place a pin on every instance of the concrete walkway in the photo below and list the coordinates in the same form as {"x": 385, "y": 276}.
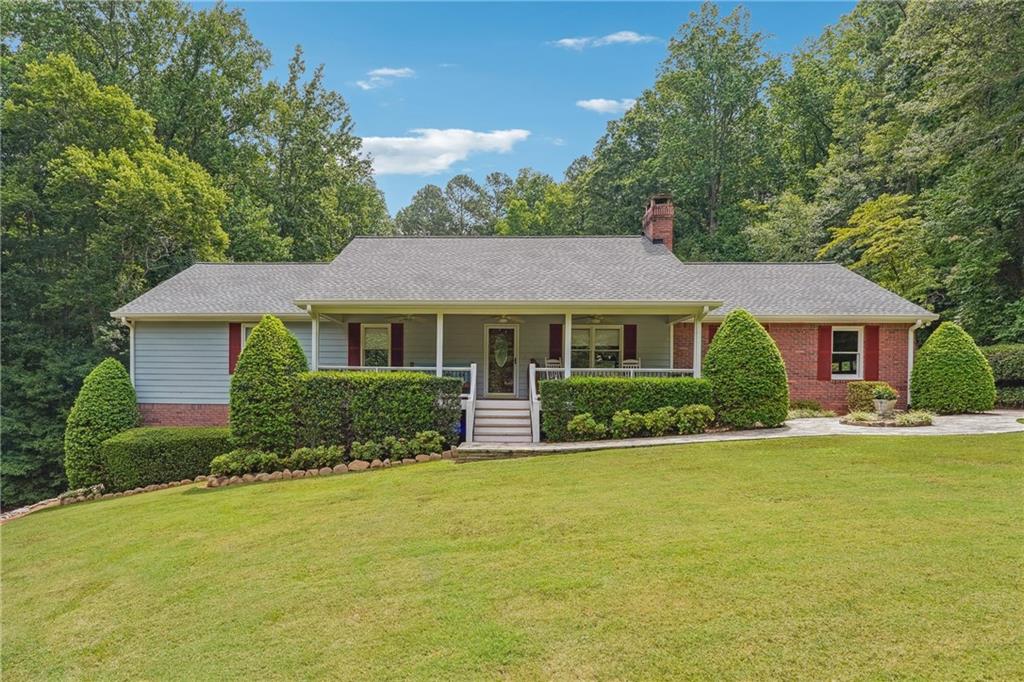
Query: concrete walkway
{"x": 997, "y": 421}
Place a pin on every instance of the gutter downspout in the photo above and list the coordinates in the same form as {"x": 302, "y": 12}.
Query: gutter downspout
{"x": 131, "y": 347}
{"x": 910, "y": 354}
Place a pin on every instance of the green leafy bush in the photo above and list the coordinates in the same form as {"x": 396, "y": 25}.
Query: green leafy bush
{"x": 861, "y": 416}
{"x": 694, "y": 418}
{"x": 426, "y": 443}
{"x": 160, "y": 454}
{"x": 340, "y": 407}
{"x": 886, "y": 392}
{"x": 396, "y": 448}
{"x": 585, "y": 427}
{"x": 860, "y": 394}
{"x": 245, "y": 461}
{"x": 315, "y": 458}
{"x": 602, "y": 397}
{"x": 262, "y": 388}
{"x": 628, "y": 424}
{"x": 1007, "y": 363}
{"x": 914, "y": 418}
{"x": 951, "y": 375}
{"x": 105, "y": 406}
{"x": 1010, "y": 396}
{"x": 747, "y": 374}
{"x": 367, "y": 450}
{"x": 662, "y": 421}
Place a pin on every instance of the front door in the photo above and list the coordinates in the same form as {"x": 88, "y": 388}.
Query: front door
{"x": 502, "y": 346}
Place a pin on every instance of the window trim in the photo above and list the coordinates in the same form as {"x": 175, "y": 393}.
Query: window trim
{"x": 859, "y": 375}
{"x": 362, "y": 341}
{"x": 246, "y": 330}
{"x": 591, "y": 348}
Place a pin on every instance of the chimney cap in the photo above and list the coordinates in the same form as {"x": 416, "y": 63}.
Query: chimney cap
{"x": 661, "y": 198}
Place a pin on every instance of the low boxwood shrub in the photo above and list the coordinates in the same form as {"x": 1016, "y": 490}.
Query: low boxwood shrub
{"x": 585, "y": 427}
{"x": 694, "y": 419}
{"x": 367, "y": 450}
{"x": 105, "y": 406}
{"x": 951, "y": 375}
{"x": 426, "y": 443}
{"x": 747, "y": 374}
{"x": 1010, "y": 396}
{"x": 335, "y": 408}
{"x": 262, "y": 388}
{"x": 860, "y": 395}
{"x": 160, "y": 454}
{"x": 396, "y": 448}
{"x": 602, "y": 397}
{"x": 245, "y": 461}
{"x": 662, "y": 421}
{"x": 1007, "y": 363}
{"x": 315, "y": 458}
{"x": 628, "y": 424}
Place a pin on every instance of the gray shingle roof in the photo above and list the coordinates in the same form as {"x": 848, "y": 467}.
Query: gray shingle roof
{"x": 794, "y": 289}
{"x": 227, "y": 288}
{"x": 505, "y": 269}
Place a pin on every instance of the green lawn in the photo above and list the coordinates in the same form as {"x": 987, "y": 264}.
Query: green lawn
{"x": 814, "y": 558}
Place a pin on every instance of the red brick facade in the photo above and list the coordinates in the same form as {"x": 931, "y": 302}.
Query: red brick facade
{"x": 178, "y": 414}
{"x": 798, "y": 344}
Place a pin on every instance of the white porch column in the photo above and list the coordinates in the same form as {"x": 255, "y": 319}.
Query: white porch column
{"x": 697, "y": 349}
{"x": 439, "y": 349}
{"x": 567, "y": 345}
{"x": 316, "y": 341}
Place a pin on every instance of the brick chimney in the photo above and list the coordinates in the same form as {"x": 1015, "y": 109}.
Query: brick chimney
{"x": 658, "y": 220}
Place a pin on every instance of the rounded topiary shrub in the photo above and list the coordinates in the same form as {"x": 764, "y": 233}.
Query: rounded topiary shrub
{"x": 105, "y": 407}
{"x": 747, "y": 374}
{"x": 262, "y": 387}
{"x": 951, "y": 375}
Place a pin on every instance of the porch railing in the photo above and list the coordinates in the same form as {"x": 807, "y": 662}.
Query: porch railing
{"x": 622, "y": 372}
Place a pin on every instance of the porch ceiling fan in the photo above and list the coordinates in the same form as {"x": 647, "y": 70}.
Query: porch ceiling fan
{"x": 592, "y": 319}
{"x": 402, "y": 318}
{"x": 504, "y": 319}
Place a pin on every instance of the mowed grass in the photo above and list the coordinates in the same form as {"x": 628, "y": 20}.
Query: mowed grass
{"x": 819, "y": 558}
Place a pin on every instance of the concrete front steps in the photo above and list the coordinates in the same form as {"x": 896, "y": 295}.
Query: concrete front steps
{"x": 502, "y": 421}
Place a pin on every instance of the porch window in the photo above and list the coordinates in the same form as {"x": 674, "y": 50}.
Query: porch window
{"x": 596, "y": 347}
{"x": 847, "y": 348}
{"x": 376, "y": 345}
{"x": 247, "y": 328}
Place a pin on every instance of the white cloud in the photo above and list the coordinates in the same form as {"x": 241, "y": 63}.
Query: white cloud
{"x": 617, "y": 38}
{"x": 432, "y": 150}
{"x": 380, "y": 77}
{"x": 606, "y": 106}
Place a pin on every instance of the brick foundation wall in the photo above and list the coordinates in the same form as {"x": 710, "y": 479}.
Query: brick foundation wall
{"x": 798, "y": 344}
{"x": 178, "y": 414}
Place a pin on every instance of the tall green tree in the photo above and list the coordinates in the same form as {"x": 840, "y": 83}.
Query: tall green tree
{"x": 82, "y": 170}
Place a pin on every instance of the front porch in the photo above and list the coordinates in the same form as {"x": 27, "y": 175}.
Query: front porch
{"x": 502, "y": 357}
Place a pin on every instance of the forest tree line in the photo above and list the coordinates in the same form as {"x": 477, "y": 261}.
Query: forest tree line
{"x": 140, "y": 137}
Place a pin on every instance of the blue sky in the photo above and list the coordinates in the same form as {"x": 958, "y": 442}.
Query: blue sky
{"x": 440, "y": 89}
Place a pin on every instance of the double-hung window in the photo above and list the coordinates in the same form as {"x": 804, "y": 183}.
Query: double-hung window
{"x": 376, "y": 345}
{"x": 847, "y": 352}
{"x": 247, "y": 328}
{"x": 596, "y": 346}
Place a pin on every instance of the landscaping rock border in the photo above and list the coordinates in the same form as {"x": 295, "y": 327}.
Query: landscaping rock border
{"x": 96, "y": 492}
{"x": 881, "y": 423}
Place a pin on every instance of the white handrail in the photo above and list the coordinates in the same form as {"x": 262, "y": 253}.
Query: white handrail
{"x": 545, "y": 373}
{"x": 534, "y": 404}
{"x": 471, "y": 403}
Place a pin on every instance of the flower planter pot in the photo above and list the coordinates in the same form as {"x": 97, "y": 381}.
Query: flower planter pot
{"x": 885, "y": 407}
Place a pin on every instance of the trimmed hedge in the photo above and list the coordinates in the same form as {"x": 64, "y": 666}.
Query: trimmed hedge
{"x": 1007, "y": 363}
{"x": 245, "y": 461}
{"x": 105, "y": 406}
{"x": 951, "y": 375}
{"x": 602, "y": 397}
{"x": 860, "y": 395}
{"x": 337, "y": 408}
{"x": 1010, "y": 396}
{"x": 747, "y": 374}
{"x": 161, "y": 454}
{"x": 262, "y": 388}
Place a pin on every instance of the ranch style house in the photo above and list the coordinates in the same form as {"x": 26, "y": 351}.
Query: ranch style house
{"x": 504, "y": 313}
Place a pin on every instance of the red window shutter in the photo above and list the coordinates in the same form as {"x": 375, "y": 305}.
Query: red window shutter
{"x": 397, "y": 344}
{"x": 629, "y": 342}
{"x": 555, "y": 341}
{"x": 824, "y": 353}
{"x": 355, "y": 334}
{"x": 234, "y": 345}
{"x": 871, "y": 352}
{"x": 712, "y": 330}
